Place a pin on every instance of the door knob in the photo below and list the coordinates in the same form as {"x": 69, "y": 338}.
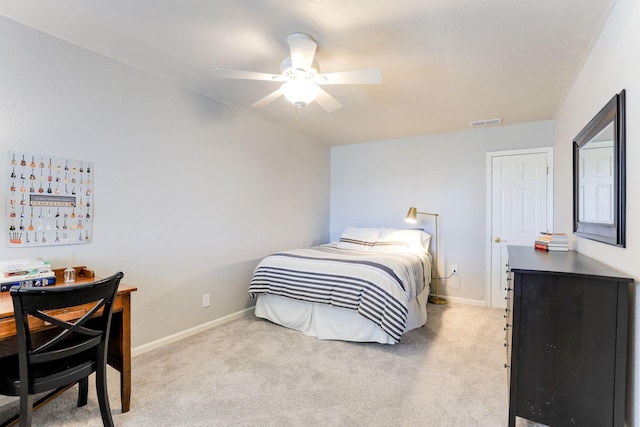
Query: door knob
{"x": 498, "y": 240}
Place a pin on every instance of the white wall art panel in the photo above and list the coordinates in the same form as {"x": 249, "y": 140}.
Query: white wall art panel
{"x": 49, "y": 200}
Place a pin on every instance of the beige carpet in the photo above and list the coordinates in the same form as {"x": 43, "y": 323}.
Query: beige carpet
{"x": 251, "y": 372}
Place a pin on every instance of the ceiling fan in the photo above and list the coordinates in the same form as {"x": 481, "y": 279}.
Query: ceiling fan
{"x": 301, "y": 76}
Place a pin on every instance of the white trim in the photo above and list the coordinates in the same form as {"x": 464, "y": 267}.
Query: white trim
{"x": 466, "y": 301}
{"x": 154, "y": 345}
{"x": 488, "y": 169}
{"x": 189, "y": 332}
{"x": 243, "y": 313}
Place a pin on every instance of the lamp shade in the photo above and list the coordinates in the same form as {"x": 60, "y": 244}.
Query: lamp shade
{"x": 412, "y": 216}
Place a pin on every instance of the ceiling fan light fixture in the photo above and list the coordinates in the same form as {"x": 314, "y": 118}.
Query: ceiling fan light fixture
{"x": 300, "y": 92}
{"x": 301, "y": 76}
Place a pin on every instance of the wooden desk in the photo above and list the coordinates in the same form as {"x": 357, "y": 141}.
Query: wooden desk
{"x": 119, "y": 354}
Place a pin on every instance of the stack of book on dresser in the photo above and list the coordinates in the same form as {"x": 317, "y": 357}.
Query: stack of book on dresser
{"x": 32, "y": 272}
{"x": 552, "y": 242}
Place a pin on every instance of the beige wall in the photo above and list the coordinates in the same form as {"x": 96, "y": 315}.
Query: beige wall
{"x": 188, "y": 194}
{"x": 613, "y": 65}
{"x": 374, "y": 184}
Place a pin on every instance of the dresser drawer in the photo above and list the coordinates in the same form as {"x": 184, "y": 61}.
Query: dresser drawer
{"x": 508, "y": 326}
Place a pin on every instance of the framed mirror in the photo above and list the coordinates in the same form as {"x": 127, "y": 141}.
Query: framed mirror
{"x": 599, "y": 176}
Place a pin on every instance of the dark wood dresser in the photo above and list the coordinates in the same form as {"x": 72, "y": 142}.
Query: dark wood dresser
{"x": 566, "y": 339}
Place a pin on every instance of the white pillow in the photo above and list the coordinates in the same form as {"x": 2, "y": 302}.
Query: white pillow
{"x": 383, "y": 245}
{"x": 397, "y": 238}
{"x": 360, "y": 238}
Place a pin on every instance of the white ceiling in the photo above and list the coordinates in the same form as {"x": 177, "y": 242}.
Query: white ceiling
{"x": 445, "y": 63}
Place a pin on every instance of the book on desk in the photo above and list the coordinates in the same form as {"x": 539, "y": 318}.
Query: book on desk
{"x": 31, "y": 272}
{"x": 35, "y": 272}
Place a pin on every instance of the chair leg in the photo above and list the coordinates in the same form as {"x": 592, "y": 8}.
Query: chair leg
{"x": 83, "y": 391}
{"x": 26, "y": 410}
{"x": 103, "y": 397}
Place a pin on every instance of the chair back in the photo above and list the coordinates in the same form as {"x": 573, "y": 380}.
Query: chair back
{"x": 78, "y": 318}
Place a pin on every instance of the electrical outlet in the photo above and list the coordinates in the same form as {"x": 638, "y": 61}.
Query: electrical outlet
{"x": 206, "y": 300}
{"x": 454, "y": 270}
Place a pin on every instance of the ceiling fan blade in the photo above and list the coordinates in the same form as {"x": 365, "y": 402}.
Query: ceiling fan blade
{"x": 364, "y": 76}
{"x": 303, "y": 48}
{"x": 228, "y": 73}
{"x": 268, "y": 99}
{"x": 327, "y": 102}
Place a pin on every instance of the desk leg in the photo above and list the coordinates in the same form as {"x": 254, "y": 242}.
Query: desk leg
{"x": 119, "y": 353}
{"x": 125, "y": 373}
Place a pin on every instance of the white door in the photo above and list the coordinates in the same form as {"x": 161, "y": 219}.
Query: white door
{"x": 520, "y": 207}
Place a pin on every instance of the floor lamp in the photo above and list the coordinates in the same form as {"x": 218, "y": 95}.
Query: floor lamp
{"x": 412, "y": 218}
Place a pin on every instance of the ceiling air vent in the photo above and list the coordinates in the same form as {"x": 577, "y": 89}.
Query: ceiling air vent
{"x": 488, "y": 122}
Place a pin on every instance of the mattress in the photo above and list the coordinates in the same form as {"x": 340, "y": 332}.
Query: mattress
{"x": 335, "y": 293}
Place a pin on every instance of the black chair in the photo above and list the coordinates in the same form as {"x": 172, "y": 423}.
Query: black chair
{"x": 67, "y": 351}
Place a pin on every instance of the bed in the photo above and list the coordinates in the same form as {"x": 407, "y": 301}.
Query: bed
{"x": 370, "y": 286}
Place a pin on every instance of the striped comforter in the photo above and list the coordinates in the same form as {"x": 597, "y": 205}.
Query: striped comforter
{"x": 378, "y": 285}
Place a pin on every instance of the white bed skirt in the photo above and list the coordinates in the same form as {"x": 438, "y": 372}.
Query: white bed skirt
{"x": 334, "y": 323}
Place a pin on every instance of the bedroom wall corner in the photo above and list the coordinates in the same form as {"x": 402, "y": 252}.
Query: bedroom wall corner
{"x": 373, "y": 184}
{"x": 611, "y": 66}
{"x": 189, "y": 194}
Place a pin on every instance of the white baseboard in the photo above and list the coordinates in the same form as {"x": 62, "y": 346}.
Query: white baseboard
{"x": 188, "y": 332}
{"x": 467, "y": 301}
{"x": 247, "y": 311}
